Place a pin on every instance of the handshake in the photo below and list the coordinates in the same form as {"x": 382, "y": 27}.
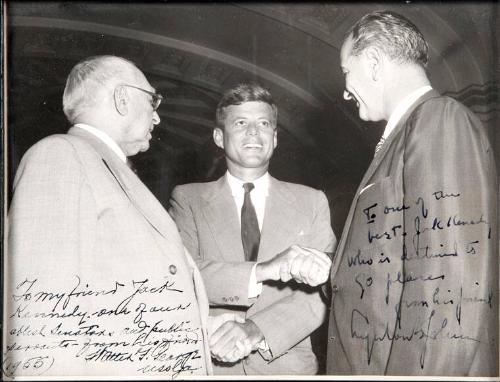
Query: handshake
{"x": 302, "y": 264}
{"x": 231, "y": 336}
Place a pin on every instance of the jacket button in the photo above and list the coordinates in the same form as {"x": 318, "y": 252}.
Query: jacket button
{"x": 335, "y": 288}
{"x": 332, "y": 338}
{"x": 173, "y": 269}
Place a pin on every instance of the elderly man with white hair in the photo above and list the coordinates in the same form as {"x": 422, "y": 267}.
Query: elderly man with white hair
{"x": 99, "y": 282}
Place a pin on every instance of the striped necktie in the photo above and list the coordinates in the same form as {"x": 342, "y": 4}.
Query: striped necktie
{"x": 379, "y": 145}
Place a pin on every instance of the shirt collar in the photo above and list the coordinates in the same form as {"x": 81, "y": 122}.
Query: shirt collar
{"x": 261, "y": 185}
{"x": 105, "y": 138}
{"x": 402, "y": 107}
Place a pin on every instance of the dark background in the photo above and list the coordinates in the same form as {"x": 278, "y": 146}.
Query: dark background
{"x": 192, "y": 52}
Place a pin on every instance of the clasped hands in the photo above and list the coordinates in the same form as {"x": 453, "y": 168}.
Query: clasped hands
{"x": 302, "y": 264}
{"x": 231, "y": 336}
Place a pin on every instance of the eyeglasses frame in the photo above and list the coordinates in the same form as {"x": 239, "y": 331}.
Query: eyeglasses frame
{"x": 156, "y": 97}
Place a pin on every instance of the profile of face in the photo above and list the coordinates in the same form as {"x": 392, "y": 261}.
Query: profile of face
{"x": 141, "y": 118}
{"x": 249, "y": 137}
{"x": 361, "y": 82}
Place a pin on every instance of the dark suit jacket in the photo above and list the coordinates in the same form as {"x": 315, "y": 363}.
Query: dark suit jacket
{"x": 286, "y": 313}
{"x": 416, "y": 270}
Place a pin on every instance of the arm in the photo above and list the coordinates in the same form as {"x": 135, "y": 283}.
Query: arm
{"x": 52, "y": 214}
{"x": 449, "y": 164}
{"x": 233, "y": 276}
{"x": 294, "y": 317}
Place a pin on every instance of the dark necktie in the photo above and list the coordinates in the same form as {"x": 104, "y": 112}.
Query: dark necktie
{"x": 250, "y": 233}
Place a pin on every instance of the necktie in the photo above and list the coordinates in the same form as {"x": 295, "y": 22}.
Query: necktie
{"x": 250, "y": 233}
{"x": 379, "y": 145}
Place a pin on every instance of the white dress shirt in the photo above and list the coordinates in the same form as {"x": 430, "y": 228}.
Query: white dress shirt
{"x": 105, "y": 138}
{"x": 402, "y": 107}
{"x": 258, "y": 196}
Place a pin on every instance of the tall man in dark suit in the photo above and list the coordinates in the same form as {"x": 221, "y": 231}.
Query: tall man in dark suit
{"x": 241, "y": 230}
{"x": 98, "y": 280}
{"x": 415, "y": 277}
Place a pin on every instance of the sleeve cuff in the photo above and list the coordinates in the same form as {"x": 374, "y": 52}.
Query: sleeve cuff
{"x": 264, "y": 350}
{"x": 254, "y": 288}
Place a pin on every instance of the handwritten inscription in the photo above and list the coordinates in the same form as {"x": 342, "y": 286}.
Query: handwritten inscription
{"x": 137, "y": 325}
{"x": 406, "y": 278}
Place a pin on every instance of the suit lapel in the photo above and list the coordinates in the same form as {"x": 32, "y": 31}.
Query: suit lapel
{"x": 279, "y": 212}
{"x": 371, "y": 170}
{"x": 135, "y": 190}
{"x": 222, "y": 218}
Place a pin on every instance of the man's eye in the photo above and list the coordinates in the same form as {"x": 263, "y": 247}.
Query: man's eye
{"x": 264, "y": 123}
{"x": 240, "y": 123}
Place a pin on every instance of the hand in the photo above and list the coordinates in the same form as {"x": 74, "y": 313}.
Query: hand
{"x": 214, "y": 322}
{"x": 235, "y": 340}
{"x": 311, "y": 267}
{"x": 304, "y": 265}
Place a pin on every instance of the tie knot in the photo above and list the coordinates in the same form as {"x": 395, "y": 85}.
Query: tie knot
{"x": 379, "y": 145}
{"x": 248, "y": 187}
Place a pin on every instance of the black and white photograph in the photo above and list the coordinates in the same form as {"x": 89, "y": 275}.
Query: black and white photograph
{"x": 250, "y": 190}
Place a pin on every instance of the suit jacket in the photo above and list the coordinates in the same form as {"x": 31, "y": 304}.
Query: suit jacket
{"x": 81, "y": 218}
{"x": 286, "y": 313}
{"x": 415, "y": 273}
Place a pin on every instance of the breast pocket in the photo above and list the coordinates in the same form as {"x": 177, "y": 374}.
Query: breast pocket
{"x": 378, "y": 216}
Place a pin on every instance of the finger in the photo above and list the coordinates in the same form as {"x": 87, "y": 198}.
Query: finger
{"x": 296, "y": 266}
{"x": 218, "y": 342}
{"x": 239, "y": 318}
{"x": 307, "y": 273}
{"x": 220, "y": 332}
{"x": 284, "y": 271}
{"x": 322, "y": 275}
{"x": 223, "y": 347}
{"x": 321, "y": 257}
{"x": 315, "y": 275}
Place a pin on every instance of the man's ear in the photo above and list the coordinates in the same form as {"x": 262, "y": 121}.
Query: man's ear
{"x": 275, "y": 138}
{"x": 121, "y": 100}
{"x": 374, "y": 59}
{"x": 219, "y": 137}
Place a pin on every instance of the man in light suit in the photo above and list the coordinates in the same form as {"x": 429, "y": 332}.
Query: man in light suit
{"x": 213, "y": 221}
{"x": 415, "y": 275}
{"x": 82, "y": 223}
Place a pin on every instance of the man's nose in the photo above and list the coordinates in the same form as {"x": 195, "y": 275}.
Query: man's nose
{"x": 252, "y": 128}
{"x": 156, "y": 118}
{"x": 347, "y": 95}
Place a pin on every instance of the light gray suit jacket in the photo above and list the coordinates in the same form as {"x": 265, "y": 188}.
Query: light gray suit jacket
{"x": 78, "y": 210}
{"x": 207, "y": 217}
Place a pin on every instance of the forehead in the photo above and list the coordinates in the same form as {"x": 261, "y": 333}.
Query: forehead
{"x": 252, "y": 109}
{"x": 140, "y": 80}
{"x": 345, "y": 51}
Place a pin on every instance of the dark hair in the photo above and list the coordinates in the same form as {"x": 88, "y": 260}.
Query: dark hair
{"x": 246, "y": 92}
{"x": 392, "y": 33}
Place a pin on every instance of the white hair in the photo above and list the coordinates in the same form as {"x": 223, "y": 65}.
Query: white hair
{"x": 89, "y": 78}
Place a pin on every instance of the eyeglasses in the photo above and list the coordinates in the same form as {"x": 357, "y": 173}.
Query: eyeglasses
{"x": 155, "y": 97}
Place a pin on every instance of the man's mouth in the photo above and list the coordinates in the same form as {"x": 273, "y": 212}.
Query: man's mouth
{"x": 252, "y": 146}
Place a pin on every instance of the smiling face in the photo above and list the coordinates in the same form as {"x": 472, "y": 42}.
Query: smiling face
{"x": 360, "y": 83}
{"x": 248, "y": 138}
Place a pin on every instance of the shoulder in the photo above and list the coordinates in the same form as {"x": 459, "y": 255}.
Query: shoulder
{"x": 443, "y": 116}
{"x": 192, "y": 191}
{"x": 444, "y": 108}
{"x": 301, "y": 193}
{"x": 58, "y": 150}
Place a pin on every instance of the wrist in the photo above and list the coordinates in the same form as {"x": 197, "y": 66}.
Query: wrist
{"x": 263, "y": 272}
{"x": 254, "y": 333}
